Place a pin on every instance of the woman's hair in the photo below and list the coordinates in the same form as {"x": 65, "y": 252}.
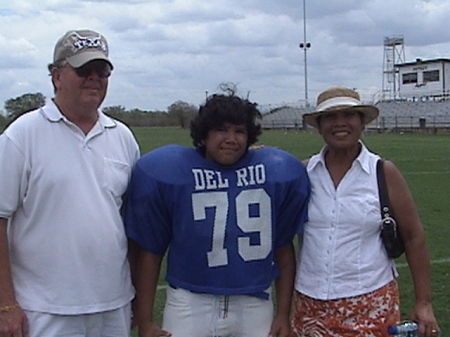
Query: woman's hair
{"x": 221, "y": 109}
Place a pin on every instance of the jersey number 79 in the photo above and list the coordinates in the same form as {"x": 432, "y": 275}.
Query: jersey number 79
{"x": 262, "y": 224}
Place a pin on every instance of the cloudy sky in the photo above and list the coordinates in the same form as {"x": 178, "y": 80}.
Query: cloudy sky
{"x": 169, "y": 50}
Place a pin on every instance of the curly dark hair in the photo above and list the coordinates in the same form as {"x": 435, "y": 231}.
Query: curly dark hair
{"x": 221, "y": 109}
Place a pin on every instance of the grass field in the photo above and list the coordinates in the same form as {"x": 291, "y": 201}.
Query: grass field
{"x": 425, "y": 162}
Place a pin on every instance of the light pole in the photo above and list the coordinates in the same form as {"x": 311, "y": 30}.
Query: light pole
{"x": 305, "y": 46}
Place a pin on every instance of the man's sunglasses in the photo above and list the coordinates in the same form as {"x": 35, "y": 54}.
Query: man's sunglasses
{"x": 101, "y": 68}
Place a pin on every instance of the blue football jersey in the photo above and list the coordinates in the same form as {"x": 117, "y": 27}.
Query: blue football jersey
{"x": 220, "y": 224}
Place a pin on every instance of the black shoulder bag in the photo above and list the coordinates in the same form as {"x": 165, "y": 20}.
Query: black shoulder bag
{"x": 390, "y": 235}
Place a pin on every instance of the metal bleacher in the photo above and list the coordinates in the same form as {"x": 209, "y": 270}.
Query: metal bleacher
{"x": 394, "y": 115}
{"x": 285, "y": 118}
{"x": 413, "y": 114}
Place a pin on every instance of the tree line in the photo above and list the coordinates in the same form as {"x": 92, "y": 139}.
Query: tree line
{"x": 178, "y": 114}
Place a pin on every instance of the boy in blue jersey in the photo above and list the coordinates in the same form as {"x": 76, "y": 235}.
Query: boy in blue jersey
{"x": 226, "y": 217}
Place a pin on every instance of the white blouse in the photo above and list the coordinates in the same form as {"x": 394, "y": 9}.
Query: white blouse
{"x": 342, "y": 254}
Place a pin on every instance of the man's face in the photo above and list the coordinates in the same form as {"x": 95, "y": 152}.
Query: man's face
{"x": 225, "y": 145}
{"x": 83, "y": 86}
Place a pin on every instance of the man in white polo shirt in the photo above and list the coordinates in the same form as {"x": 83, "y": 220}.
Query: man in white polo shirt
{"x": 64, "y": 168}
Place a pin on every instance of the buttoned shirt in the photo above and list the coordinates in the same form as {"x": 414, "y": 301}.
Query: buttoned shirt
{"x": 342, "y": 253}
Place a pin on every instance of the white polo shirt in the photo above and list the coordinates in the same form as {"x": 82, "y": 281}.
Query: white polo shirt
{"x": 62, "y": 191}
{"x": 342, "y": 254}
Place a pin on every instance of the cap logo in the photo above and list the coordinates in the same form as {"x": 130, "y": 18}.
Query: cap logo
{"x": 90, "y": 42}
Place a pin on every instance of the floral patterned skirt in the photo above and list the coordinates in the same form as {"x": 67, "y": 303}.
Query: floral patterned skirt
{"x": 367, "y": 315}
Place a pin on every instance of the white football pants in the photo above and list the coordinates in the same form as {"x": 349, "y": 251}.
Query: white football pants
{"x": 188, "y": 314}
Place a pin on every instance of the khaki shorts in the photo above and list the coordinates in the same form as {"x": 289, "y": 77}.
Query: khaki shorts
{"x": 114, "y": 323}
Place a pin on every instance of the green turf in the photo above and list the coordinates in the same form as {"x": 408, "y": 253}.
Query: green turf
{"x": 424, "y": 160}
{"x": 425, "y": 163}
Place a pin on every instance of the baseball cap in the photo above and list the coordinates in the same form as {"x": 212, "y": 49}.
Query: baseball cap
{"x": 78, "y": 47}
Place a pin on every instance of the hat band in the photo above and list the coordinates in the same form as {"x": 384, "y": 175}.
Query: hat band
{"x": 337, "y": 101}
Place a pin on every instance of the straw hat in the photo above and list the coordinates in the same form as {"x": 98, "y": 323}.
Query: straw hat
{"x": 340, "y": 99}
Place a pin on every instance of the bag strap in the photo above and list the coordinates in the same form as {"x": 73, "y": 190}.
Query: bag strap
{"x": 382, "y": 191}
{"x": 391, "y": 236}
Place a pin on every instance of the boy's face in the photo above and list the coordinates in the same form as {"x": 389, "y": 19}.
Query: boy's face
{"x": 226, "y": 144}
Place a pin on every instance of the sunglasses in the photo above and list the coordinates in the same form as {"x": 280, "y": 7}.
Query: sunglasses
{"x": 102, "y": 69}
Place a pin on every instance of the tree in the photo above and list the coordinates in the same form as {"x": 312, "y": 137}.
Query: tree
{"x": 3, "y": 122}
{"x": 182, "y": 113}
{"x": 114, "y": 110}
{"x": 17, "y": 106}
{"x": 137, "y": 117}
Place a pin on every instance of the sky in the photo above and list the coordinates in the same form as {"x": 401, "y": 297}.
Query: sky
{"x": 165, "y": 51}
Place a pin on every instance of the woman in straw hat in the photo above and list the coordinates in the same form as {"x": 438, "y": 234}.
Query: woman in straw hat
{"x": 346, "y": 283}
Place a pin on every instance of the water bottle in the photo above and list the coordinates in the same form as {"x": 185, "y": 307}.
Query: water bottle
{"x": 404, "y": 329}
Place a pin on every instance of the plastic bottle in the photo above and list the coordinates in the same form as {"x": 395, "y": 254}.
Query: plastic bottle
{"x": 404, "y": 329}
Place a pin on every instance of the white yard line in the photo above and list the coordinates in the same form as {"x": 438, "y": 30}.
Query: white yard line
{"x": 437, "y": 261}
{"x": 425, "y": 172}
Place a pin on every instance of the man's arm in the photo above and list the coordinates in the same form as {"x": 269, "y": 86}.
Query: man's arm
{"x": 147, "y": 269}
{"x": 13, "y": 321}
{"x": 284, "y": 286}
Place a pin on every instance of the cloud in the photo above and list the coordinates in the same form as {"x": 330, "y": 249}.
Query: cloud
{"x": 164, "y": 51}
